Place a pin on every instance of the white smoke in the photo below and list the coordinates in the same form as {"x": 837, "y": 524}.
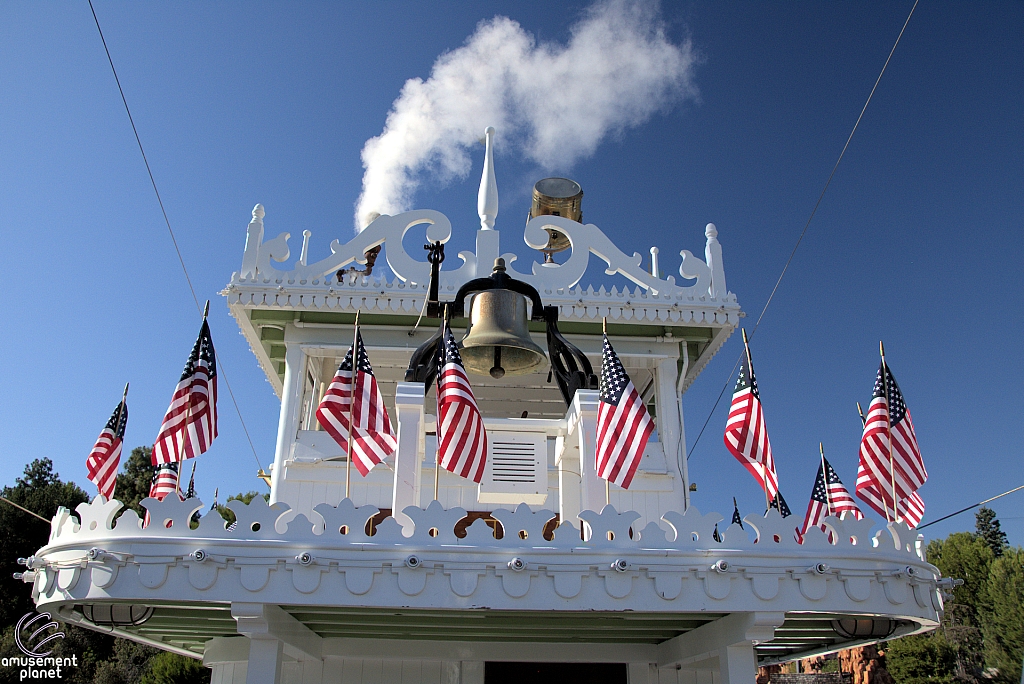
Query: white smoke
{"x": 557, "y": 102}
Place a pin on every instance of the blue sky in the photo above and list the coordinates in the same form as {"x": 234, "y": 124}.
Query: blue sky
{"x": 918, "y": 241}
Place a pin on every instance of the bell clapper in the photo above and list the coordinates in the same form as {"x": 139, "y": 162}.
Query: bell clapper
{"x": 496, "y": 370}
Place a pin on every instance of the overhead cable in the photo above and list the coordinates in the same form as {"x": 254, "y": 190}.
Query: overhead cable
{"x": 170, "y": 231}
{"x": 807, "y": 225}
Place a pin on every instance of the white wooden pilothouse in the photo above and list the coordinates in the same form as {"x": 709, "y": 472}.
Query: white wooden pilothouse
{"x": 530, "y": 566}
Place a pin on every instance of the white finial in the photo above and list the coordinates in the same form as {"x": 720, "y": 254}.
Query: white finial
{"x": 713, "y": 254}
{"x": 253, "y": 240}
{"x": 305, "y": 246}
{"x": 487, "y": 199}
{"x": 654, "y": 261}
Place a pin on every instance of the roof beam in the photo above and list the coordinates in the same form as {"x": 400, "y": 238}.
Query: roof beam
{"x": 705, "y": 642}
{"x": 268, "y": 621}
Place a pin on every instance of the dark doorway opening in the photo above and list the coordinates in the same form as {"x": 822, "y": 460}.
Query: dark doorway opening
{"x": 555, "y": 673}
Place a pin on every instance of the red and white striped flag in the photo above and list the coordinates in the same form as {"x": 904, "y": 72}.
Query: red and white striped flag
{"x": 461, "y": 437}
{"x": 882, "y": 465}
{"x": 105, "y": 456}
{"x": 165, "y": 482}
{"x": 623, "y": 423}
{"x": 829, "y": 497}
{"x": 373, "y": 438}
{"x": 746, "y": 435}
{"x": 190, "y": 424}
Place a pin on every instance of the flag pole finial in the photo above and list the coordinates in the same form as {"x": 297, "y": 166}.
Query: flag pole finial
{"x": 604, "y": 325}
{"x": 125, "y": 395}
{"x": 206, "y": 309}
{"x": 881, "y": 349}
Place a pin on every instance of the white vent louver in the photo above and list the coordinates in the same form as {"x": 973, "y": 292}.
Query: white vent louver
{"x": 517, "y": 469}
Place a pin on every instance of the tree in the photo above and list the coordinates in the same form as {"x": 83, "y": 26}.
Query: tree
{"x": 965, "y": 556}
{"x": 133, "y": 484}
{"x": 921, "y": 659}
{"x": 171, "y": 668}
{"x": 127, "y": 664}
{"x": 987, "y": 527}
{"x": 1004, "y": 622}
{"x": 41, "y": 491}
{"x": 246, "y": 498}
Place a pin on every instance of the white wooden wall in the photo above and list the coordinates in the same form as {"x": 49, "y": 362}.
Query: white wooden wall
{"x": 371, "y": 671}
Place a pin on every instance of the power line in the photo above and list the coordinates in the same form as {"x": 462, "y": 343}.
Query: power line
{"x": 23, "y": 508}
{"x": 964, "y": 510}
{"x": 806, "y": 225}
{"x": 170, "y": 231}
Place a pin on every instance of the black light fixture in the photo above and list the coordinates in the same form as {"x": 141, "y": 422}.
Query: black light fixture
{"x": 116, "y": 614}
{"x": 864, "y": 628}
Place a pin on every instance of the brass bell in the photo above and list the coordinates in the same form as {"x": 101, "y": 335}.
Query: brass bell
{"x": 498, "y": 341}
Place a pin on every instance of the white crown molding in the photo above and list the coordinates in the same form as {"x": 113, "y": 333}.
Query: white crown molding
{"x": 677, "y": 567}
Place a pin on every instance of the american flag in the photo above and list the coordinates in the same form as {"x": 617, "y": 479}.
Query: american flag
{"x": 829, "y": 497}
{"x": 746, "y": 435}
{"x": 889, "y": 414}
{"x": 191, "y": 491}
{"x": 779, "y": 504}
{"x": 373, "y": 438}
{"x": 190, "y": 424}
{"x": 461, "y": 437}
{"x": 911, "y": 509}
{"x": 623, "y": 423}
{"x": 165, "y": 481}
{"x": 736, "y": 519}
{"x": 105, "y": 456}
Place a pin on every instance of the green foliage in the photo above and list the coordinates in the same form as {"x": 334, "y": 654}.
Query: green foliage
{"x": 39, "y": 490}
{"x": 926, "y": 659}
{"x": 134, "y": 482}
{"x": 91, "y": 649}
{"x": 1003, "y": 625}
{"x": 965, "y": 556}
{"x": 246, "y": 498}
{"x": 129, "y": 662}
{"x": 987, "y": 528}
{"x": 170, "y": 668}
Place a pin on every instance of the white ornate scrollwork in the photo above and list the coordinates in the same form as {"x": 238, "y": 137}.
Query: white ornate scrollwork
{"x": 390, "y": 231}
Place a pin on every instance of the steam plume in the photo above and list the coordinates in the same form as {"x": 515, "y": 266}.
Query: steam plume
{"x": 557, "y": 102}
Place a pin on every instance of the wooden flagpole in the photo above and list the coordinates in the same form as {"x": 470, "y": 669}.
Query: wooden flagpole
{"x": 888, "y": 431}
{"x": 607, "y": 482}
{"x": 437, "y": 393}
{"x": 750, "y": 379}
{"x": 352, "y": 404}
{"x": 824, "y": 475}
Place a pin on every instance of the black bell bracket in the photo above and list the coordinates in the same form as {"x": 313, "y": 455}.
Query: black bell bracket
{"x": 498, "y": 280}
{"x": 570, "y": 366}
